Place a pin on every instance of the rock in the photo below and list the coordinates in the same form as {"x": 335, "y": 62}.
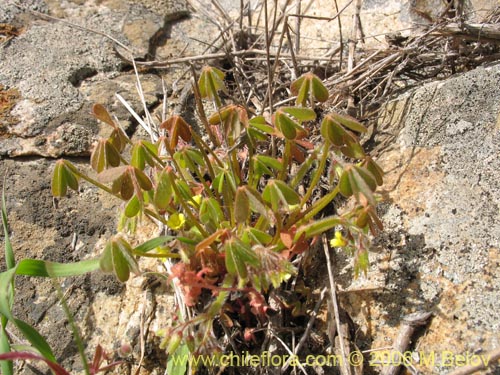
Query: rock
{"x": 60, "y": 70}
{"x": 441, "y": 215}
{"x": 65, "y": 234}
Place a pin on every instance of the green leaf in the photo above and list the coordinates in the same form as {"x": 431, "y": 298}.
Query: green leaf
{"x": 29, "y": 333}
{"x": 152, "y": 244}
{"x": 301, "y": 114}
{"x": 349, "y": 122}
{"x": 7, "y": 298}
{"x": 303, "y": 92}
{"x": 118, "y": 258}
{"x": 255, "y": 236}
{"x": 35, "y": 339}
{"x": 296, "y": 87}
{"x": 286, "y": 125}
{"x": 104, "y": 155}
{"x": 360, "y": 187}
{"x": 138, "y": 159}
{"x": 120, "y": 265}
{"x": 211, "y": 81}
{"x": 106, "y": 261}
{"x": 320, "y": 92}
{"x": 374, "y": 169}
{"x": 6, "y": 279}
{"x": 352, "y": 149}
{"x": 332, "y": 131}
{"x": 177, "y": 362}
{"x": 118, "y": 139}
{"x": 237, "y": 254}
{"x": 258, "y": 205}
{"x": 303, "y": 169}
{"x": 133, "y": 207}
{"x": 290, "y": 196}
{"x": 279, "y": 193}
{"x": 345, "y": 183}
{"x": 318, "y": 227}
{"x": 241, "y": 206}
{"x": 163, "y": 191}
{"x": 142, "y": 179}
{"x": 260, "y": 123}
{"x": 366, "y": 176}
{"x": 309, "y": 86}
{"x": 63, "y": 178}
{"x": 264, "y": 164}
{"x": 210, "y": 212}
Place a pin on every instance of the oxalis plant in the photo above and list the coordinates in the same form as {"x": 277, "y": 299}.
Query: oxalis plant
{"x": 237, "y": 202}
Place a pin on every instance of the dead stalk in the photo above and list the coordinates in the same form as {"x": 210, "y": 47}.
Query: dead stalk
{"x": 333, "y": 296}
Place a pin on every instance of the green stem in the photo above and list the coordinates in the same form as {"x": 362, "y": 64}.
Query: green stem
{"x": 308, "y": 214}
{"x": 187, "y": 210}
{"x": 286, "y": 160}
{"x": 89, "y": 179}
{"x": 317, "y": 175}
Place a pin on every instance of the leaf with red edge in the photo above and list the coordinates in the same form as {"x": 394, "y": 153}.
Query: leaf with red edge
{"x": 119, "y": 139}
{"x": 333, "y": 131}
{"x": 241, "y": 206}
{"x": 286, "y": 125}
{"x": 102, "y": 114}
{"x": 118, "y": 258}
{"x": 309, "y": 87}
{"x": 374, "y": 169}
{"x": 349, "y": 122}
{"x": 319, "y": 91}
{"x": 177, "y": 128}
{"x": 211, "y": 81}
{"x": 104, "y": 155}
{"x": 301, "y": 114}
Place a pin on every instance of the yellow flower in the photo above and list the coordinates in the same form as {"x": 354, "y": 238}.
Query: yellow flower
{"x": 196, "y": 199}
{"x": 338, "y": 241}
{"x": 176, "y": 221}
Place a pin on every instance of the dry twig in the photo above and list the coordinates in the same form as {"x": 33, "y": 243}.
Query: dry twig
{"x": 346, "y": 370}
{"x": 410, "y": 323}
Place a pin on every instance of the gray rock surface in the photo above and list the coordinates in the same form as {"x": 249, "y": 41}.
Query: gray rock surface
{"x": 50, "y": 62}
{"x": 441, "y": 212}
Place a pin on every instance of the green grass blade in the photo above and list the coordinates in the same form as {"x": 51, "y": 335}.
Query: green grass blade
{"x": 152, "y": 244}
{"x": 6, "y": 367}
{"x": 35, "y": 339}
{"x": 6, "y": 279}
{"x": 35, "y": 267}
{"x": 9, "y": 253}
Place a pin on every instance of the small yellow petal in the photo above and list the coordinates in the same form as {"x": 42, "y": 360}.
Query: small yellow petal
{"x": 176, "y": 221}
{"x": 196, "y": 199}
{"x": 338, "y": 241}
